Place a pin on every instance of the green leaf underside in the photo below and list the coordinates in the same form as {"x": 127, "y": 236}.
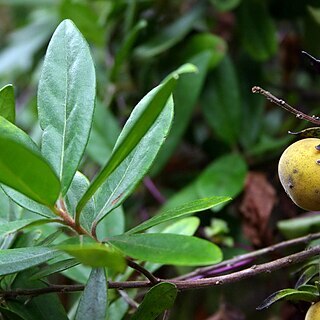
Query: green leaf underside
{"x": 93, "y": 302}
{"x": 66, "y": 101}
{"x": 313, "y": 132}
{"x": 287, "y": 294}
{"x": 96, "y": 255}
{"x": 138, "y": 130}
{"x": 28, "y": 203}
{"x": 129, "y": 173}
{"x": 168, "y": 249}
{"x": 7, "y": 103}
{"x": 14, "y": 226}
{"x": 14, "y": 260}
{"x": 181, "y": 211}
{"x": 23, "y": 168}
{"x": 158, "y": 299}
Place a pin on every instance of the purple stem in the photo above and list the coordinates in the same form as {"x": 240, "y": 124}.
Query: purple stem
{"x": 154, "y": 190}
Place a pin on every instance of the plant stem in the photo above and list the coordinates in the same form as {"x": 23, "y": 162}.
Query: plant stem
{"x": 281, "y": 103}
{"x": 143, "y": 271}
{"x": 264, "y": 268}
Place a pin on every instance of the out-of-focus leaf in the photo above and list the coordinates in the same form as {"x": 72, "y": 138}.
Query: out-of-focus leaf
{"x": 29, "y": 2}
{"x": 308, "y": 133}
{"x": 25, "y": 42}
{"x": 129, "y": 140}
{"x": 298, "y": 227}
{"x": 168, "y": 248}
{"x": 103, "y": 136}
{"x": 7, "y": 103}
{"x": 66, "y": 97}
{"x": 23, "y": 168}
{"x": 96, "y": 255}
{"x": 179, "y": 212}
{"x": 225, "y": 5}
{"x": 14, "y": 260}
{"x": 85, "y": 18}
{"x": 185, "y": 96}
{"x": 77, "y": 188}
{"x": 129, "y": 173}
{"x": 117, "y": 309}
{"x": 288, "y": 294}
{"x": 257, "y": 29}
{"x": 315, "y": 13}
{"x": 225, "y": 176}
{"x": 222, "y": 102}
{"x": 94, "y": 300}
{"x": 125, "y": 48}
{"x": 158, "y": 299}
{"x": 54, "y": 268}
{"x": 168, "y": 36}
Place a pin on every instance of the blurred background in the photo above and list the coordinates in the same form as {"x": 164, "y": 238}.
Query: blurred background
{"x": 224, "y": 139}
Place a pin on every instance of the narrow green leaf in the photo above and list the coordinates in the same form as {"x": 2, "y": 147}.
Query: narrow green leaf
{"x": 14, "y": 226}
{"x": 129, "y": 173}
{"x": 7, "y": 103}
{"x": 66, "y": 101}
{"x": 126, "y": 48}
{"x": 96, "y": 255}
{"x": 168, "y": 36}
{"x": 138, "y": 130}
{"x": 168, "y": 249}
{"x": 94, "y": 300}
{"x": 23, "y": 168}
{"x": 27, "y": 203}
{"x": 288, "y": 294}
{"x": 59, "y": 266}
{"x": 158, "y": 299}
{"x": 225, "y": 5}
{"x": 308, "y": 133}
{"x": 258, "y": 31}
{"x": 222, "y": 102}
{"x": 307, "y": 275}
{"x": 185, "y": 96}
{"x": 225, "y": 176}
{"x": 178, "y": 212}
{"x": 14, "y": 260}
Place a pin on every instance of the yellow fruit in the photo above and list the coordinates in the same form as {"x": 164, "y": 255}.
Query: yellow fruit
{"x": 313, "y": 312}
{"x": 299, "y": 173}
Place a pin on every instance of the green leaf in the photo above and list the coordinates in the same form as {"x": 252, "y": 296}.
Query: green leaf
{"x": 225, "y": 176}
{"x": 298, "y": 227}
{"x": 7, "y": 103}
{"x": 129, "y": 173}
{"x": 66, "y": 101}
{"x": 307, "y": 275}
{"x": 78, "y": 187}
{"x": 222, "y": 102}
{"x": 288, "y": 294}
{"x": 14, "y": 260}
{"x": 96, "y": 255}
{"x": 168, "y": 249}
{"x": 257, "y": 29}
{"x": 27, "y": 203}
{"x": 185, "y": 96}
{"x": 23, "y": 168}
{"x": 125, "y": 48}
{"x": 158, "y": 299}
{"x": 58, "y": 266}
{"x": 94, "y": 299}
{"x": 178, "y": 212}
{"x": 136, "y": 132}
{"x": 14, "y": 226}
{"x": 225, "y": 5}
{"x": 169, "y": 36}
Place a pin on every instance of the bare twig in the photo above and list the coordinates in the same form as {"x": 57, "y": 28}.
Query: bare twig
{"x": 281, "y": 103}
{"x": 235, "y": 262}
{"x": 264, "y": 268}
{"x": 143, "y": 271}
{"x": 134, "y": 304}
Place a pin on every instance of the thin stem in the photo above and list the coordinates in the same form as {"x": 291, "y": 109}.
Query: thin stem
{"x": 128, "y": 299}
{"x": 264, "y": 268}
{"x": 281, "y": 103}
{"x": 154, "y": 190}
{"x": 143, "y": 271}
{"x": 248, "y": 257}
